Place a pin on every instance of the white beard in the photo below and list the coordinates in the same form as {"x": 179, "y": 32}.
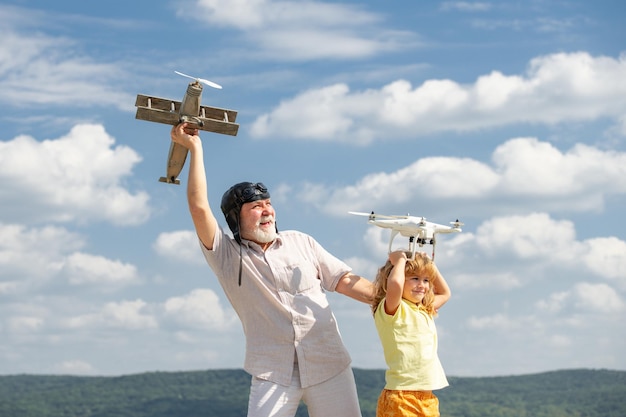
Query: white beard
{"x": 262, "y": 236}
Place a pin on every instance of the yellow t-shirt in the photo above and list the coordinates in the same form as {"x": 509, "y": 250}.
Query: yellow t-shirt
{"x": 409, "y": 340}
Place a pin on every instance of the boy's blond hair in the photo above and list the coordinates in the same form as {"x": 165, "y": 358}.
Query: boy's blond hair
{"x": 420, "y": 266}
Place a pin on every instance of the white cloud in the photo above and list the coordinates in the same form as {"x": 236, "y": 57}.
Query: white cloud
{"x": 201, "y": 309}
{"x": 306, "y": 30}
{"x": 74, "y": 367}
{"x": 557, "y": 88}
{"x": 504, "y": 280}
{"x": 598, "y": 298}
{"x": 531, "y": 167}
{"x": 466, "y": 6}
{"x": 123, "y": 315}
{"x": 33, "y": 254}
{"x": 555, "y": 302}
{"x": 42, "y": 70}
{"x": 519, "y": 235}
{"x": 552, "y": 249}
{"x": 24, "y": 324}
{"x": 316, "y": 105}
{"x": 584, "y": 297}
{"x": 78, "y": 177}
{"x": 576, "y": 180}
{"x": 496, "y": 321}
{"x": 364, "y": 266}
{"x": 607, "y": 258}
{"x": 82, "y": 268}
{"x": 250, "y": 14}
{"x": 182, "y": 245}
{"x": 437, "y": 178}
{"x": 38, "y": 257}
{"x": 377, "y": 241}
{"x": 545, "y": 240}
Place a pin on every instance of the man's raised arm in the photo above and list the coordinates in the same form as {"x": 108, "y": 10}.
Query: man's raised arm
{"x": 197, "y": 195}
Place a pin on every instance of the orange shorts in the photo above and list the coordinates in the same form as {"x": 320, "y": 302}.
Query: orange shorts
{"x": 394, "y": 403}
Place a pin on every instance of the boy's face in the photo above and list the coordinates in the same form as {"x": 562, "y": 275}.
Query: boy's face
{"x": 415, "y": 288}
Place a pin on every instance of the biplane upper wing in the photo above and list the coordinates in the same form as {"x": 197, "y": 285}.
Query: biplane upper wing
{"x": 161, "y": 110}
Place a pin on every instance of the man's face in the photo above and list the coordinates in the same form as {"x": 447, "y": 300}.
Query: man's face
{"x": 257, "y": 221}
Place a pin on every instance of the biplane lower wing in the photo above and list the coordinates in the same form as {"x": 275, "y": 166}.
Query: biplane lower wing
{"x": 210, "y": 119}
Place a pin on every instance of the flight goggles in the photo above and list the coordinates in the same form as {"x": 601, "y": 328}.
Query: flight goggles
{"x": 253, "y": 192}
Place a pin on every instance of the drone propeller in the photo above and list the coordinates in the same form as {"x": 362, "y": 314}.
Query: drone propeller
{"x": 202, "y": 80}
{"x": 358, "y": 213}
{"x": 457, "y": 223}
{"x": 373, "y": 215}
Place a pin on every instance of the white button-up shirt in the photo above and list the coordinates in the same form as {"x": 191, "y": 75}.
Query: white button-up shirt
{"x": 283, "y": 306}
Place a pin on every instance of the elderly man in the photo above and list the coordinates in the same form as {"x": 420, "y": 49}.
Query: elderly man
{"x": 276, "y": 282}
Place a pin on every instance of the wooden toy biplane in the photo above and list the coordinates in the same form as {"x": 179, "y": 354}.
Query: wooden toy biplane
{"x": 210, "y": 119}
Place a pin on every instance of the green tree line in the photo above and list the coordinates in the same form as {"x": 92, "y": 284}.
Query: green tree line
{"x": 224, "y": 393}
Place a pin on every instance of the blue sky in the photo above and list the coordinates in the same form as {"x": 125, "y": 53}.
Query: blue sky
{"x": 510, "y": 116}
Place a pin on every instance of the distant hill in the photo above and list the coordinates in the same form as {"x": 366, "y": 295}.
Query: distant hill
{"x": 224, "y": 393}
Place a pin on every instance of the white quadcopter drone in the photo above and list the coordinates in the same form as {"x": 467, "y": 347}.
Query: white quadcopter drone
{"x": 417, "y": 229}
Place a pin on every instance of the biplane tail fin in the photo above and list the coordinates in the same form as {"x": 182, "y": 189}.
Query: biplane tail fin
{"x": 170, "y": 180}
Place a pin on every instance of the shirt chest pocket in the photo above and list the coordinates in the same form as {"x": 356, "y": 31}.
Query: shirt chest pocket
{"x": 299, "y": 278}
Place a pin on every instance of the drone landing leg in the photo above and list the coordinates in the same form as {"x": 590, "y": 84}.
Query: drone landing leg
{"x": 412, "y": 247}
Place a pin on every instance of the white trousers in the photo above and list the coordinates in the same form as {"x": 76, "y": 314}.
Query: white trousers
{"x": 336, "y": 397}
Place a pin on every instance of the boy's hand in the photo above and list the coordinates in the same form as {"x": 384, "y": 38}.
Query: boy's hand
{"x": 396, "y": 256}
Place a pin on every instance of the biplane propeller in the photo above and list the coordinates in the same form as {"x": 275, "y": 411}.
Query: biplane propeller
{"x": 210, "y": 119}
{"x": 202, "y": 80}
{"x": 419, "y": 231}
